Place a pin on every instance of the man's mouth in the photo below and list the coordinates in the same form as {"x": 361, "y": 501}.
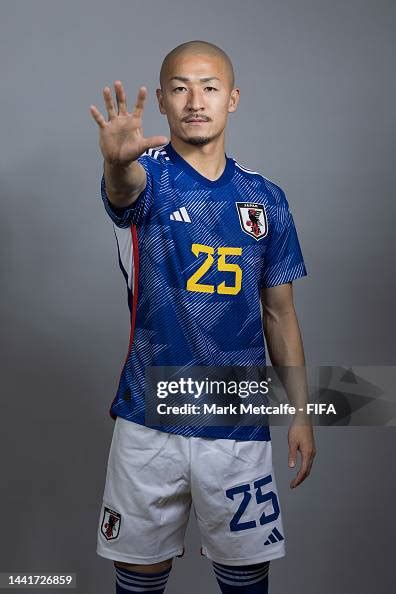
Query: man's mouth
{"x": 195, "y": 121}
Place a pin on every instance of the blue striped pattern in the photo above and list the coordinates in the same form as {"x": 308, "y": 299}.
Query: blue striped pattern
{"x": 230, "y": 577}
{"x": 178, "y": 327}
{"x": 147, "y": 583}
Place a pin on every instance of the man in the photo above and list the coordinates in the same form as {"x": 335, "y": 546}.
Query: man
{"x": 201, "y": 240}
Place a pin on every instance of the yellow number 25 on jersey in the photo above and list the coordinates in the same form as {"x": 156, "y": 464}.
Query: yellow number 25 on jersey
{"x": 222, "y": 252}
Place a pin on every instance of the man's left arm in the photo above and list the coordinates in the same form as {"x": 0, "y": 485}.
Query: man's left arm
{"x": 285, "y": 348}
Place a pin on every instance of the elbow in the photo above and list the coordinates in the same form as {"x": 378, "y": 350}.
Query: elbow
{"x": 274, "y": 315}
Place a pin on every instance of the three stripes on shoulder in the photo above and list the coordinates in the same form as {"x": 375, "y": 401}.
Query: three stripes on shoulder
{"x": 154, "y": 153}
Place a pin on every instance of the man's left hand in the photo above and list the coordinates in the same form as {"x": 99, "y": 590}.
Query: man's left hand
{"x": 300, "y": 437}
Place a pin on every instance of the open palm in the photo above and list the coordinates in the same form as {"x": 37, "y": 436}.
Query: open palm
{"x": 121, "y": 138}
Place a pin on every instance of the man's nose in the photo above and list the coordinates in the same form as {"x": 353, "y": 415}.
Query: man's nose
{"x": 195, "y": 99}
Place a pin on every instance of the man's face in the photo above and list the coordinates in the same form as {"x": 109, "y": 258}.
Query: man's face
{"x": 197, "y": 97}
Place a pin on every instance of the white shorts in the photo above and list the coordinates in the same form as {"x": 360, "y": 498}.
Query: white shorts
{"x": 152, "y": 479}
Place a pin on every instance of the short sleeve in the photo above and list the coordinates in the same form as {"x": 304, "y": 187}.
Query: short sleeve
{"x": 283, "y": 260}
{"x": 136, "y": 213}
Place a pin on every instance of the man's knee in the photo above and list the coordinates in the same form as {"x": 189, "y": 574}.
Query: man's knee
{"x": 154, "y": 568}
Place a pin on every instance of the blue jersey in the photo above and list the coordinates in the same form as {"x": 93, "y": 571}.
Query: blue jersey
{"x": 195, "y": 254}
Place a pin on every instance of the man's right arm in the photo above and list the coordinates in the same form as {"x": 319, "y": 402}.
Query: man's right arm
{"x": 122, "y": 143}
{"x": 124, "y": 183}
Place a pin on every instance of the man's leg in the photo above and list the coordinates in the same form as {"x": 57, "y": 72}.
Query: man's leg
{"x": 237, "y": 509}
{"x": 146, "y": 506}
{"x": 244, "y": 579}
{"x": 146, "y": 579}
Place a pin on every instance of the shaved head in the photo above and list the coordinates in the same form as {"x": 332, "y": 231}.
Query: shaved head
{"x": 196, "y": 48}
{"x": 197, "y": 79}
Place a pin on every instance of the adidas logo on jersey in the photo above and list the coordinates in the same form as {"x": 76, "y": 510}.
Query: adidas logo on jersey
{"x": 274, "y": 537}
{"x": 180, "y": 215}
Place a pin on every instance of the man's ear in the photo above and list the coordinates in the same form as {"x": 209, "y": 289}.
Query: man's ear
{"x": 234, "y": 100}
{"x": 160, "y": 98}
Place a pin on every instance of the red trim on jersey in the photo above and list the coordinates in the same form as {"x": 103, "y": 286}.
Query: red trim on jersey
{"x": 135, "y": 256}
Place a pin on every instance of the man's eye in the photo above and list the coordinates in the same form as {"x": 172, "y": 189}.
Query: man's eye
{"x": 211, "y": 88}
{"x": 179, "y": 88}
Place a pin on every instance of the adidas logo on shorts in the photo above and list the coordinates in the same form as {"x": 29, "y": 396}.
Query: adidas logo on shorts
{"x": 274, "y": 537}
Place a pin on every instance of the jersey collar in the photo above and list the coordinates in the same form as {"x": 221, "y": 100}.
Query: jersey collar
{"x": 189, "y": 170}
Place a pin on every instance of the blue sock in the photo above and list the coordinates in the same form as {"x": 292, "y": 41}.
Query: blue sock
{"x": 244, "y": 579}
{"x": 128, "y": 582}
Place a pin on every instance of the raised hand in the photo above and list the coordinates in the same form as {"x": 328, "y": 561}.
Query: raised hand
{"x": 121, "y": 138}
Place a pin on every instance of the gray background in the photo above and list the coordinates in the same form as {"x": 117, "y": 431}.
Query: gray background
{"x": 315, "y": 117}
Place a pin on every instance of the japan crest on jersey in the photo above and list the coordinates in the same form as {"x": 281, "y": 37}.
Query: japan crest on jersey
{"x": 253, "y": 219}
{"x": 110, "y": 523}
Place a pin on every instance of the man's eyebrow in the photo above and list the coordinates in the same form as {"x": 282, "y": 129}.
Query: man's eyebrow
{"x": 185, "y": 79}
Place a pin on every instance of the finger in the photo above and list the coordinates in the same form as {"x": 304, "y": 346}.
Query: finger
{"x": 154, "y": 141}
{"x": 140, "y": 99}
{"x": 292, "y": 455}
{"x": 108, "y": 99}
{"x": 304, "y": 474}
{"x": 300, "y": 477}
{"x": 121, "y": 97}
{"x": 97, "y": 116}
{"x": 297, "y": 481}
{"x": 303, "y": 471}
{"x": 311, "y": 462}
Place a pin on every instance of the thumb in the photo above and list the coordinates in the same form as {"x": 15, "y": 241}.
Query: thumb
{"x": 154, "y": 141}
{"x": 292, "y": 455}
